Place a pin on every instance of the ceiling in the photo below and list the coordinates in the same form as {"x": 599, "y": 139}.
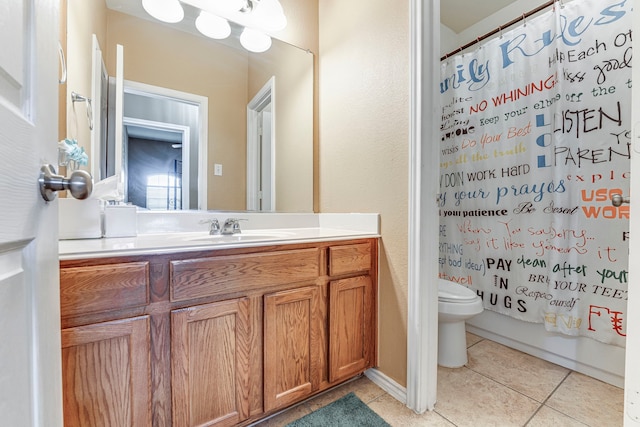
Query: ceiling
{"x": 459, "y": 15}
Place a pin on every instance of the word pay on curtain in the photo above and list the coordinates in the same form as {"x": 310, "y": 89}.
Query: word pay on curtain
{"x": 535, "y": 139}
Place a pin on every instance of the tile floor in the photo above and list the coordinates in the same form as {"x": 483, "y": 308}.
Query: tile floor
{"x": 498, "y": 387}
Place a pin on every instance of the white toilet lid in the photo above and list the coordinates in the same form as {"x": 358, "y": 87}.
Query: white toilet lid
{"x": 454, "y": 292}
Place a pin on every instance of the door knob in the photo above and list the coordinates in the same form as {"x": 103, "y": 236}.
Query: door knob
{"x": 618, "y": 200}
{"x": 79, "y": 183}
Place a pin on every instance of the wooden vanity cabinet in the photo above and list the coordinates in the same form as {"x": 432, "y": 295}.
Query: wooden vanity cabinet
{"x": 292, "y": 341}
{"x": 350, "y": 327}
{"x": 352, "y": 304}
{"x": 106, "y": 364}
{"x": 106, "y": 374}
{"x": 210, "y": 363}
{"x": 214, "y": 338}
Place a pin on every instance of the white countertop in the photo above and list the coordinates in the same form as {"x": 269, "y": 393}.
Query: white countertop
{"x": 196, "y": 241}
{"x": 325, "y": 227}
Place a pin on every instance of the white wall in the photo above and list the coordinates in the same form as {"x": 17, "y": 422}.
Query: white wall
{"x": 449, "y": 40}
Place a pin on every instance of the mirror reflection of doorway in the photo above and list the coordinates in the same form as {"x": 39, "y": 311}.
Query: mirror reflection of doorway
{"x": 154, "y": 154}
{"x": 261, "y": 150}
{"x": 173, "y": 117}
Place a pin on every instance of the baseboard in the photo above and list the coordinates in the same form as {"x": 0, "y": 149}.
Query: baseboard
{"x": 394, "y": 389}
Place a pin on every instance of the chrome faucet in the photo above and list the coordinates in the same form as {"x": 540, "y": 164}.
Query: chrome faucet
{"x": 231, "y": 226}
{"x": 214, "y": 225}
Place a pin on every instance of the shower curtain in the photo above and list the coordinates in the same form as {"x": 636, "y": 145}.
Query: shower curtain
{"x": 535, "y": 140}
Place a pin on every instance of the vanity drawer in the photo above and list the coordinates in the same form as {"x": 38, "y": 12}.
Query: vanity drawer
{"x": 347, "y": 259}
{"x": 98, "y": 288}
{"x": 205, "y": 277}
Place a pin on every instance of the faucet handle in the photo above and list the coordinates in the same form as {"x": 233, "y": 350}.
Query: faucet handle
{"x": 233, "y": 224}
{"x": 214, "y": 225}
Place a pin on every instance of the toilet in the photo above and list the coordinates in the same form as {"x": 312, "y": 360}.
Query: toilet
{"x": 456, "y": 304}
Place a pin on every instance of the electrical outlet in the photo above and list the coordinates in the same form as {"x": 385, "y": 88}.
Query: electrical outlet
{"x": 217, "y": 169}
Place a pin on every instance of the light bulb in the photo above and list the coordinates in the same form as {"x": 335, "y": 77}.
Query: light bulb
{"x": 164, "y": 10}
{"x": 212, "y": 25}
{"x": 270, "y": 15}
{"x": 255, "y": 41}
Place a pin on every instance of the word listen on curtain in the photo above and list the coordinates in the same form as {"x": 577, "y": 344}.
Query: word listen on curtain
{"x": 535, "y": 139}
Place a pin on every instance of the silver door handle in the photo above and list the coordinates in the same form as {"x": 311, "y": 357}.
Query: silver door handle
{"x": 79, "y": 184}
{"x": 618, "y": 200}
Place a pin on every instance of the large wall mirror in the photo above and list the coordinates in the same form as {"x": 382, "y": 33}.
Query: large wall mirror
{"x": 241, "y": 121}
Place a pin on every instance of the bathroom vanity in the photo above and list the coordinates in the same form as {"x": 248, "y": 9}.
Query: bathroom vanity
{"x": 212, "y": 335}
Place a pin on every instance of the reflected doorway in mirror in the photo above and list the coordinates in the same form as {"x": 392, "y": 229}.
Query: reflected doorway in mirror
{"x": 152, "y": 112}
{"x": 261, "y": 143}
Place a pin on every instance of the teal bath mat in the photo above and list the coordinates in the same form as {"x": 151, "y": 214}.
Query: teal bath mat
{"x": 348, "y": 411}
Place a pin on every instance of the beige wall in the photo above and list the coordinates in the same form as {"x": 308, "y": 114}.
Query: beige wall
{"x": 364, "y": 100}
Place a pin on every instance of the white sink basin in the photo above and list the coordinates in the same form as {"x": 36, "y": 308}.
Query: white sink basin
{"x": 240, "y": 237}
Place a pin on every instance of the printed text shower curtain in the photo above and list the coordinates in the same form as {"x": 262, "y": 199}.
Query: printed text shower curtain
{"x": 535, "y": 139}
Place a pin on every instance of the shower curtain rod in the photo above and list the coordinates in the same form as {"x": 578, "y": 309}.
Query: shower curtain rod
{"x": 497, "y": 30}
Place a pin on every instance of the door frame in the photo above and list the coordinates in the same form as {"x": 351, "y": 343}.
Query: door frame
{"x": 265, "y": 96}
{"x": 422, "y": 310}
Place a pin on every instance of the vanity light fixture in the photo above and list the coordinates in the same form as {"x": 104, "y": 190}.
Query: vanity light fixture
{"x": 258, "y": 17}
{"x": 254, "y": 40}
{"x": 213, "y": 26}
{"x": 164, "y": 10}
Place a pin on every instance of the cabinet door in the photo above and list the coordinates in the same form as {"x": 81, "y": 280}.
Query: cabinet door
{"x": 210, "y": 363}
{"x": 106, "y": 374}
{"x": 350, "y": 327}
{"x": 292, "y": 323}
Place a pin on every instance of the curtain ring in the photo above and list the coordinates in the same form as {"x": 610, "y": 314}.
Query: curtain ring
{"x": 500, "y": 31}
{"x": 524, "y": 20}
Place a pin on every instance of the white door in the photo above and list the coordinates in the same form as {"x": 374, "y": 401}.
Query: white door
{"x": 30, "y": 361}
